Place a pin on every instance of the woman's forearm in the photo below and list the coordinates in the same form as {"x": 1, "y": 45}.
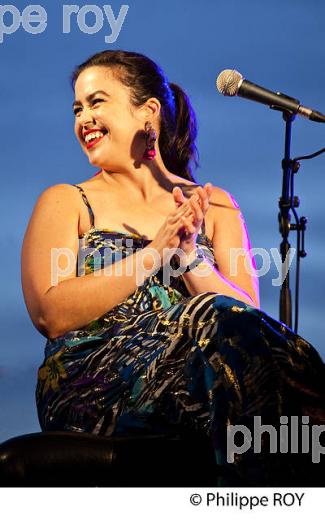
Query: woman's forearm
{"x": 75, "y": 302}
{"x": 214, "y": 281}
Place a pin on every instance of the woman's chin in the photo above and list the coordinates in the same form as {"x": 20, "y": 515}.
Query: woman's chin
{"x": 104, "y": 165}
{"x": 95, "y": 161}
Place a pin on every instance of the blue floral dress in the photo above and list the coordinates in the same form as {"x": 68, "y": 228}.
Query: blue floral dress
{"x": 165, "y": 361}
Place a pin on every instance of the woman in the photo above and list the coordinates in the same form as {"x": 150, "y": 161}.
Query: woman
{"x": 129, "y": 350}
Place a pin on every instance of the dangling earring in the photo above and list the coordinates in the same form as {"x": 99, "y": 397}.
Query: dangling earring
{"x": 151, "y": 137}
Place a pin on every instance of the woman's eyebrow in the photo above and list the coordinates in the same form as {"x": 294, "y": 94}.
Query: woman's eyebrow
{"x": 77, "y": 102}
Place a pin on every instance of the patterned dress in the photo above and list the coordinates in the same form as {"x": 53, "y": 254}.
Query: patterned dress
{"x": 163, "y": 361}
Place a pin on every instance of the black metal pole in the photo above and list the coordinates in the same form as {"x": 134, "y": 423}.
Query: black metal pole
{"x": 285, "y": 306}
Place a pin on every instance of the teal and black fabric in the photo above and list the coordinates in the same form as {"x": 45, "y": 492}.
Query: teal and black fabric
{"x": 165, "y": 361}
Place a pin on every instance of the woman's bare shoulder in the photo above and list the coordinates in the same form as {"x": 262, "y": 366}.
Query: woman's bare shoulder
{"x": 62, "y": 194}
{"x": 63, "y": 187}
{"x": 222, "y": 199}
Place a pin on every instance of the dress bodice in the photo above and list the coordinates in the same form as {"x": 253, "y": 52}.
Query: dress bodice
{"x": 99, "y": 248}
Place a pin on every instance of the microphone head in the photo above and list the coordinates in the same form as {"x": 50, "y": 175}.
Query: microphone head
{"x": 228, "y": 82}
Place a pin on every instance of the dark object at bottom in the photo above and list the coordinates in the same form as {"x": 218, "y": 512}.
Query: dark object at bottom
{"x": 66, "y": 459}
{"x": 83, "y": 459}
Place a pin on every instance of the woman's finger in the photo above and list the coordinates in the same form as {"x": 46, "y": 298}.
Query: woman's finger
{"x": 204, "y": 199}
{"x": 201, "y": 195}
{"x": 178, "y": 195}
{"x": 188, "y": 224}
{"x": 197, "y": 208}
{"x": 179, "y": 209}
{"x": 184, "y": 209}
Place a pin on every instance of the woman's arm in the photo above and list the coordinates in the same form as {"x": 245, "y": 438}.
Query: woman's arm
{"x": 230, "y": 233}
{"x": 70, "y": 302}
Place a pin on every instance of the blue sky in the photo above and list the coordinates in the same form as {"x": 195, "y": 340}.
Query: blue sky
{"x": 278, "y": 44}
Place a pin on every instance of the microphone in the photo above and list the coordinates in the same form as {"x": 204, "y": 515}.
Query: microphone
{"x": 231, "y": 83}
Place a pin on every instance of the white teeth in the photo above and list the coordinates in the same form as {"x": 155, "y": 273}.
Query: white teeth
{"x": 93, "y": 135}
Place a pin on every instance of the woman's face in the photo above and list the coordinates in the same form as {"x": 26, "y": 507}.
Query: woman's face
{"x": 111, "y": 112}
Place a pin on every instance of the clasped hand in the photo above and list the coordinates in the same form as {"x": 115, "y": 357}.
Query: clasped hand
{"x": 193, "y": 218}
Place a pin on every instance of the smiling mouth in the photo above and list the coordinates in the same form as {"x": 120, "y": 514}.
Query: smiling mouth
{"x": 94, "y": 140}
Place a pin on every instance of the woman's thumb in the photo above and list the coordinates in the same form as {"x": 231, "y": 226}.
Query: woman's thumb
{"x": 178, "y": 195}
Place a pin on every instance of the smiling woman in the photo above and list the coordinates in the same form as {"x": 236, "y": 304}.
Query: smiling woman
{"x": 158, "y": 335}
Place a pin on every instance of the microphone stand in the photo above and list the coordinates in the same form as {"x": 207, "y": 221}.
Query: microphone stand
{"x": 285, "y": 202}
{"x": 288, "y": 201}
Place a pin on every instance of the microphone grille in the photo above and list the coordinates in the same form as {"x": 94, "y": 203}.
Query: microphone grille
{"x": 227, "y": 82}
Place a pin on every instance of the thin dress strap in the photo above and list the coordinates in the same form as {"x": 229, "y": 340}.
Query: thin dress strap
{"x": 90, "y": 211}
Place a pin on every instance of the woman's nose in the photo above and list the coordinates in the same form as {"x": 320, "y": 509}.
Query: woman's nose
{"x": 85, "y": 117}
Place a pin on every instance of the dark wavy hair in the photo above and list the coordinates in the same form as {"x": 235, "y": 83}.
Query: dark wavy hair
{"x": 178, "y": 125}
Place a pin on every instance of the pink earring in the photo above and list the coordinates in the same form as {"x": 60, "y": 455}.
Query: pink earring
{"x": 151, "y": 137}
